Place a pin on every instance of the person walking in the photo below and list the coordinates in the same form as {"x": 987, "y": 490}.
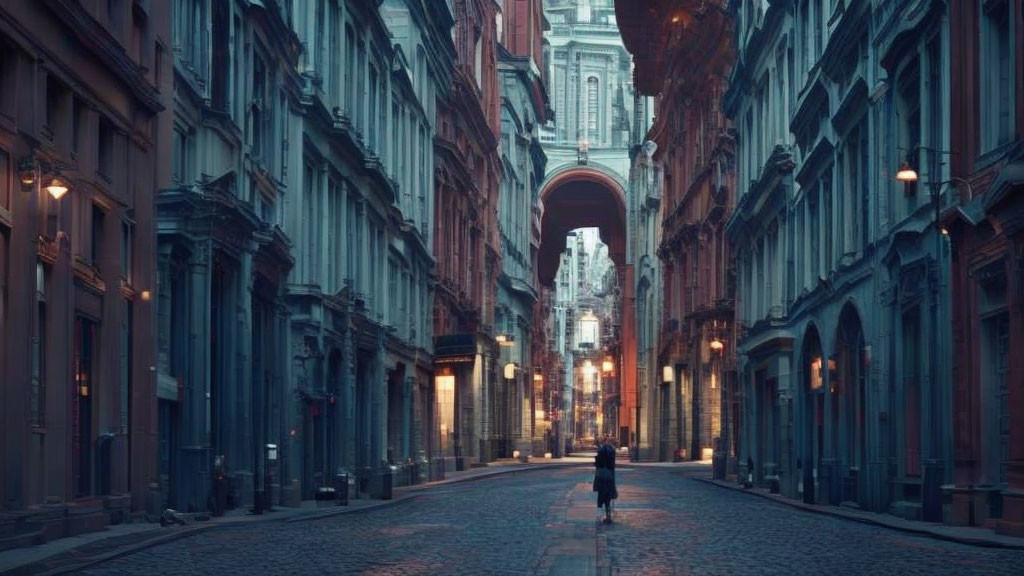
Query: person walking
{"x": 604, "y": 478}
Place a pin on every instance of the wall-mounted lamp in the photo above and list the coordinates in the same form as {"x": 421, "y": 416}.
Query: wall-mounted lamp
{"x": 30, "y": 171}
{"x": 57, "y": 188}
{"x": 716, "y": 345}
{"x": 145, "y": 295}
{"x": 668, "y": 374}
{"x": 510, "y": 371}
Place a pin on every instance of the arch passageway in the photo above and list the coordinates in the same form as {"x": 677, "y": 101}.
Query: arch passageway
{"x": 586, "y": 197}
{"x": 581, "y": 198}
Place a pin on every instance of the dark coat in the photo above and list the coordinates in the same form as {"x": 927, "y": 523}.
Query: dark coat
{"x": 604, "y": 475}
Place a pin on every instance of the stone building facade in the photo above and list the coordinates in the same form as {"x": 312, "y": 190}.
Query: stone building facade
{"x": 987, "y": 277}
{"x": 296, "y": 238}
{"x": 523, "y": 110}
{"x": 224, "y": 258}
{"x": 588, "y": 181}
{"x": 842, "y": 303}
{"x": 467, "y": 240}
{"x": 84, "y": 146}
{"x": 690, "y": 159}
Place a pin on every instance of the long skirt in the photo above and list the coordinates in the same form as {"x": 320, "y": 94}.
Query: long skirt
{"x": 604, "y": 485}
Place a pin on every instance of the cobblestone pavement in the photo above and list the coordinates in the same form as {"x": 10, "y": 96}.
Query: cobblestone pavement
{"x": 543, "y": 522}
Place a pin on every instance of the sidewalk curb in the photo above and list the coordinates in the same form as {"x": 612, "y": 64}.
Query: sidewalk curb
{"x": 406, "y": 494}
{"x": 837, "y": 513}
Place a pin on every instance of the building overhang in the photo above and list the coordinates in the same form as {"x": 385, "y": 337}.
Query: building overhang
{"x": 649, "y": 28}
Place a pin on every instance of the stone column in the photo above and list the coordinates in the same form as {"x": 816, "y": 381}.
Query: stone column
{"x": 195, "y": 430}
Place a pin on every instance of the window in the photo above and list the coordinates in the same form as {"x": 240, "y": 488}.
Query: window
{"x": 371, "y": 132}
{"x": 592, "y": 109}
{"x": 221, "y": 57}
{"x": 396, "y": 120}
{"x": 350, "y": 70}
{"x": 334, "y": 85}
{"x": 259, "y": 86}
{"x": 37, "y": 398}
{"x": 392, "y": 304}
{"x": 909, "y": 111}
{"x": 423, "y": 185}
{"x": 188, "y": 33}
{"x": 357, "y": 111}
{"x": 478, "y": 61}
{"x": 96, "y": 251}
{"x": 105, "y": 149}
{"x": 997, "y": 72}
{"x": 382, "y": 126}
{"x": 181, "y": 161}
{"x": 127, "y": 240}
{"x": 56, "y": 94}
{"x": 78, "y": 126}
{"x": 318, "y": 47}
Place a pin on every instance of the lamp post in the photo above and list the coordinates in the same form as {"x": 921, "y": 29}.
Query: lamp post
{"x": 721, "y": 453}
{"x": 932, "y": 497}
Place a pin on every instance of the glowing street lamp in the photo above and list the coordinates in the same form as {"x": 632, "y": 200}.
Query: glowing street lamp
{"x": 607, "y": 366}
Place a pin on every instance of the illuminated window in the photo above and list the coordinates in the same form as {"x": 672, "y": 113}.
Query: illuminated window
{"x": 445, "y": 390}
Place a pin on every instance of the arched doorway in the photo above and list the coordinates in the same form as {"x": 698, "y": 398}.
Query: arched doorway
{"x": 850, "y": 416}
{"x": 812, "y": 364}
{"x": 592, "y": 197}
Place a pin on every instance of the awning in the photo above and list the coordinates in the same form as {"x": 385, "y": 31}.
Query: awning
{"x": 455, "y": 348}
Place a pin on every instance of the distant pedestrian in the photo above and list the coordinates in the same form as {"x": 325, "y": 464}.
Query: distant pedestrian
{"x": 604, "y": 477}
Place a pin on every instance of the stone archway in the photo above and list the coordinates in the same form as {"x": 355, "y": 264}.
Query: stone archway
{"x": 812, "y": 385}
{"x": 850, "y": 418}
{"x": 584, "y": 197}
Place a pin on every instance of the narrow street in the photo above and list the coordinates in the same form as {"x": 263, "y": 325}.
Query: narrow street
{"x": 544, "y": 522}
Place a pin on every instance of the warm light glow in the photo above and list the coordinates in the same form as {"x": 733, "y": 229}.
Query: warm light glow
{"x": 607, "y": 366}
{"x": 500, "y": 338}
{"x": 588, "y": 368}
{"x": 675, "y": 19}
{"x": 717, "y": 345}
{"x": 707, "y": 454}
{"x": 515, "y": 453}
{"x": 906, "y": 173}
{"x": 944, "y": 230}
{"x": 83, "y": 391}
{"x": 538, "y": 378}
{"x": 714, "y": 381}
{"x": 145, "y": 295}
{"x": 444, "y": 384}
{"x": 57, "y": 188}
{"x": 668, "y": 374}
{"x": 510, "y": 371}
{"x": 816, "y": 376}
{"x": 538, "y": 414}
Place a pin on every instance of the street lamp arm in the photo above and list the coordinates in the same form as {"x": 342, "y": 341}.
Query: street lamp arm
{"x": 959, "y": 180}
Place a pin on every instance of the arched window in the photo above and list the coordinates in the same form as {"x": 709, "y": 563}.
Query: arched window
{"x": 592, "y": 109}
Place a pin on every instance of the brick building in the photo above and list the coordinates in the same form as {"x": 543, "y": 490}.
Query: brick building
{"x": 84, "y": 146}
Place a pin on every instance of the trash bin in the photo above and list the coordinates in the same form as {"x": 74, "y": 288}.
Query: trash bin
{"x": 325, "y": 496}
{"x": 386, "y": 483}
{"x": 341, "y": 488}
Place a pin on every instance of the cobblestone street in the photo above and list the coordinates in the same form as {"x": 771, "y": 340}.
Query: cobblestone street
{"x": 544, "y": 522}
